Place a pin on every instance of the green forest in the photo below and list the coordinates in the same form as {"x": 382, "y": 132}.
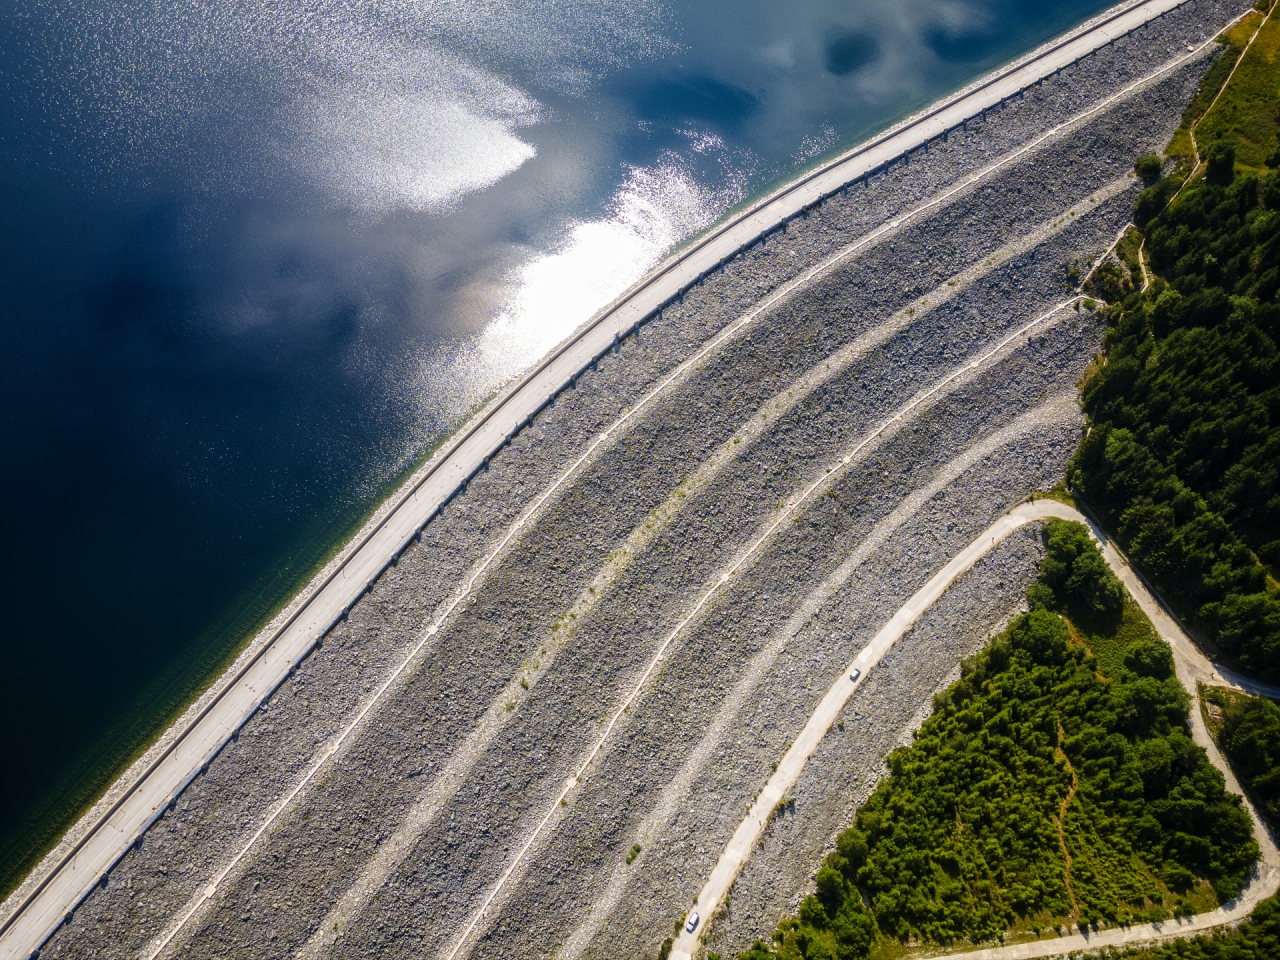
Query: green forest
{"x": 1248, "y": 729}
{"x": 1045, "y": 790}
{"x": 1182, "y": 457}
{"x": 1248, "y": 732}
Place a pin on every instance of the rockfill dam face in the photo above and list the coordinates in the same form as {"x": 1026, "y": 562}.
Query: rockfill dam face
{"x": 606, "y": 639}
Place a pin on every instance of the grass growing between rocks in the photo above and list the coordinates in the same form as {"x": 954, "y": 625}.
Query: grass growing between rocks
{"x": 1046, "y": 791}
{"x": 1058, "y": 492}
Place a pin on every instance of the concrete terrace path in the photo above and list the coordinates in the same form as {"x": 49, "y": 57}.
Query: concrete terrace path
{"x": 96, "y": 843}
{"x": 1192, "y": 667}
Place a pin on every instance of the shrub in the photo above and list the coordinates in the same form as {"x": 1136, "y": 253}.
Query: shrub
{"x": 1148, "y": 168}
{"x": 1149, "y": 658}
{"x": 1153, "y": 200}
{"x": 1220, "y": 162}
{"x": 1269, "y": 190}
{"x": 1073, "y": 575}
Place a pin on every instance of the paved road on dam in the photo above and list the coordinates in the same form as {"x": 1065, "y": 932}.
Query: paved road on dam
{"x": 642, "y": 532}
{"x": 1193, "y": 668}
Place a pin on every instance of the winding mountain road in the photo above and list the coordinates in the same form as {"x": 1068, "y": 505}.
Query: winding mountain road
{"x": 1193, "y": 668}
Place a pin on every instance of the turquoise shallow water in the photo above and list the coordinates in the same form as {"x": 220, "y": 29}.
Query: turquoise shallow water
{"x": 259, "y": 258}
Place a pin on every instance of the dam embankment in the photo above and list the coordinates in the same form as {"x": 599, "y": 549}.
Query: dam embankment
{"x": 933, "y": 367}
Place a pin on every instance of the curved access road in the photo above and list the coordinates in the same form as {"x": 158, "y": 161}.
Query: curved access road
{"x": 65, "y": 878}
{"x": 1192, "y": 668}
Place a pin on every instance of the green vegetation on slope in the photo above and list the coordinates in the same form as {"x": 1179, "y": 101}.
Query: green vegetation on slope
{"x": 1042, "y": 791}
{"x": 1182, "y": 460}
{"x": 1233, "y": 42}
{"x": 1248, "y": 731}
{"x": 1258, "y": 938}
{"x": 1246, "y": 115}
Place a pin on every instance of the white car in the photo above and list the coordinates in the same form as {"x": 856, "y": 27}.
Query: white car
{"x": 855, "y": 675}
{"x": 692, "y": 925}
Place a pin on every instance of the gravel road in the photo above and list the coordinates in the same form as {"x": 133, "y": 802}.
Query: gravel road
{"x": 880, "y": 717}
{"x": 452, "y": 781}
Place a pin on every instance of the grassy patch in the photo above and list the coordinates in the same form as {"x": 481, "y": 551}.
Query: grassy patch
{"x": 1233, "y": 42}
{"x": 1128, "y": 250}
{"x": 1057, "y": 492}
{"x": 1246, "y": 113}
{"x": 1108, "y": 641}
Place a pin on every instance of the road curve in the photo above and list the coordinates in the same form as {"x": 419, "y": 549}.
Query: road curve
{"x": 1192, "y": 666}
{"x": 41, "y": 905}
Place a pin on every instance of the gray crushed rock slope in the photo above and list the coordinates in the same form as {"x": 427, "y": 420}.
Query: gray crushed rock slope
{"x": 278, "y": 895}
{"x": 850, "y": 761}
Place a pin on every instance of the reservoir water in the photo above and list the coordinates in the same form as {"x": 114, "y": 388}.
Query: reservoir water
{"x": 259, "y": 257}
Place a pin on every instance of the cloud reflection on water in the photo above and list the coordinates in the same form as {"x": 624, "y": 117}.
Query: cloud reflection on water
{"x": 414, "y": 131}
{"x": 262, "y": 253}
{"x": 553, "y": 293}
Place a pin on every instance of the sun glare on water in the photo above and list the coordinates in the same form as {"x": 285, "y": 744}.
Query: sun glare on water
{"x": 419, "y": 132}
{"x": 554, "y": 293}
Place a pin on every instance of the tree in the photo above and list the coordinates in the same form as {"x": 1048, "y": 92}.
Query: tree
{"x": 1077, "y": 577}
{"x": 1220, "y": 159}
{"x": 1148, "y": 168}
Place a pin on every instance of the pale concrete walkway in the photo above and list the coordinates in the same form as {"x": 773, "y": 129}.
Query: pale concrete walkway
{"x": 1192, "y": 668}
{"x": 36, "y": 909}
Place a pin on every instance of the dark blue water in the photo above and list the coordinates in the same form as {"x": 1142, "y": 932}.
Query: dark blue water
{"x": 258, "y": 257}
